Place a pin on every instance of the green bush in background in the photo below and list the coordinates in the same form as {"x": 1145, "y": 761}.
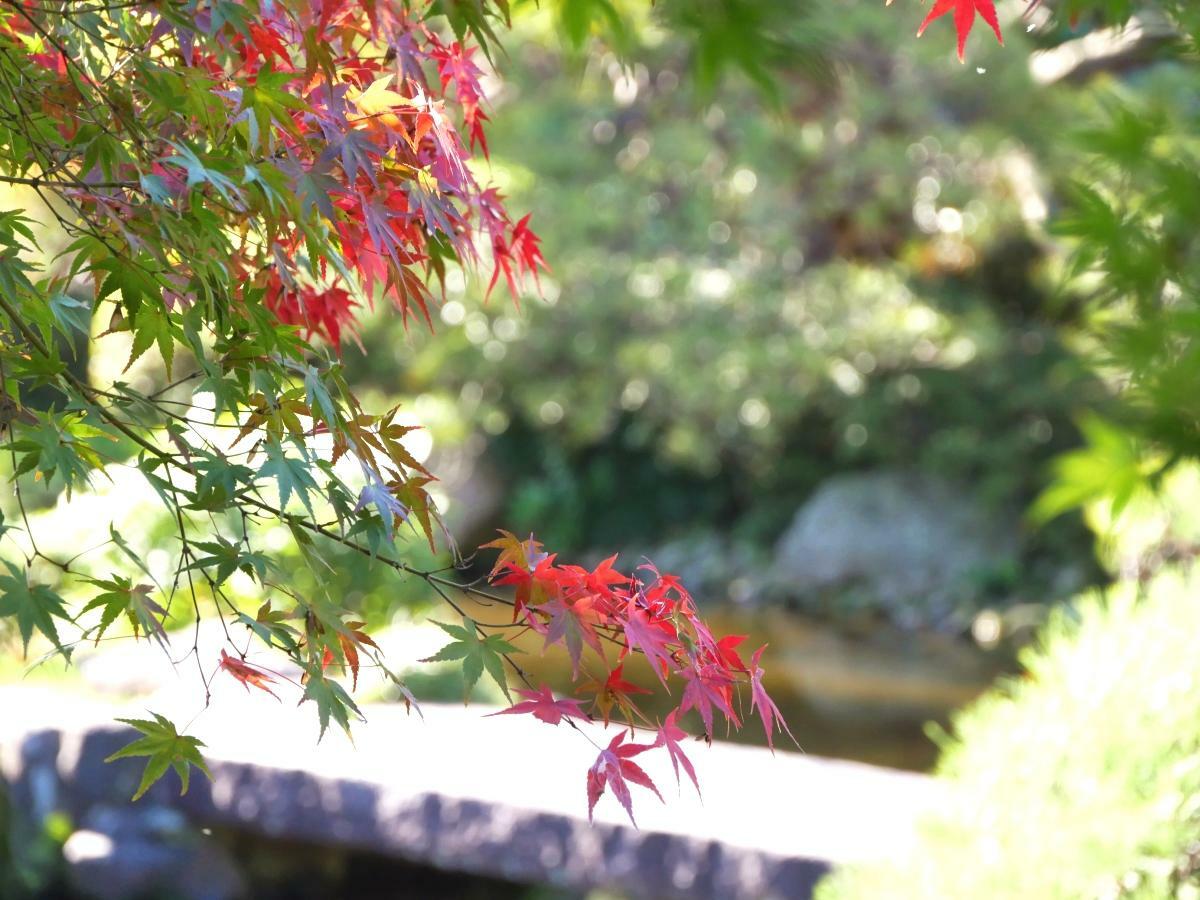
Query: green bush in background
{"x": 1080, "y": 779}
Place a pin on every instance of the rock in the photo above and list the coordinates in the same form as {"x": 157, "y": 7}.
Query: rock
{"x": 911, "y": 545}
{"x": 714, "y": 567}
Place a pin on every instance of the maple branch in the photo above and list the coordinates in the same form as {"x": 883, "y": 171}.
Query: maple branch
{"x": 36, "y": 182}
{"x": 437, "y": 582}
{"x": 186, "y": 554}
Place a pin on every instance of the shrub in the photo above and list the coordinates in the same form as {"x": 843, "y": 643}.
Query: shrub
{"x": 1080, "y": 779}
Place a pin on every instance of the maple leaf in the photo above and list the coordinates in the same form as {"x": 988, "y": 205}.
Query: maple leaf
{"x": 669, "y": 736}
{"x": 266, "y": 41}
{"x": 411, "y": 494}
{"x": 964, "y": 19}
{"x": 570, "y": 623}
{"x": 613, "y": 768}
{"x": 614, "y": 690}
{"x": 271, "y": 626}
{"x": 331, "y": 698}
{"x": 33, "y": 605}
{"x": 523, "y": 565}
{"x": 727, "y": 652}
{"x": 759, "y": 699}
{"x": 292, "y": 475}
{"x": 389, "y": 508}
{"x": 167, "y": 749}
{"x": 474, "y": 118}
{"x": 226, "y": 558}
{"x": 542, "y": 705}
{"x": 477, "y": 654}
{"x": 651, "y": 637}
{"x": 247, "y": 674}
{"x": 325, "y": 312}
{"x": 120, "y": 595}
{"x": 517, "y": 255}
{"x": 603, "y": 578}
{"x": 348, "y": 642}
{"x": 514, "y": 552}
{"x": 708, "y": 686}
{"x": 378, "y": 98}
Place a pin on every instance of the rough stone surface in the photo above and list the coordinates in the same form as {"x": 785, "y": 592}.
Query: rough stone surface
{"x": 893, "y": 539}
{"x": 448, "y": 791}
{"x": 125, "y": 852}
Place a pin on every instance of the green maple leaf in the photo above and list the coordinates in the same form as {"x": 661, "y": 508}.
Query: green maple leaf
{"x": 166, "y": 749}
{"x": 227, "y": 557}
{"x": 120, "y": 595}
{"x": 291, "y": 475}
{"x": 71, "y": 315}
{"x": 331, "y": 698}
{"x": 478, "y": 654}
{"x": 152, "y": 325}
{"x": 272, "y": 626}
{"x": 267, "y": 100}
{"x": 33, "y": 605}
{"x": 201, "y": 172}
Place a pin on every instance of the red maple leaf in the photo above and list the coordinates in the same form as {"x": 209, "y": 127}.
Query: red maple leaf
{"x": 651, "y": 637}
{"x": 531, "y": 585}
{"x": 318, "y": 311}
{"x": 601, "y": 580}
{"x": 542, "y": 705}
{"x": 247, "y": 674}
{"x": 767, "y": 710}
{"x": 517, "y": 255}
{"x": 265, "y": 42}
{"x": 727, "y": 651}
{"x": 613, "y": 768}
{"x": 964, "y": 18}
{"x": 669, "y": 736}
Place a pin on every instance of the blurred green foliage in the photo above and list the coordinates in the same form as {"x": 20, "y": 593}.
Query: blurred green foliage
{"x": 1131, "y": 216}
{"x": 31, "y": 863}
{"x": 1081, "y": 779}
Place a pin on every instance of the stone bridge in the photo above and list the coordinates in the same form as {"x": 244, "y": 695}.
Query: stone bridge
{"x": 499, "y": 797}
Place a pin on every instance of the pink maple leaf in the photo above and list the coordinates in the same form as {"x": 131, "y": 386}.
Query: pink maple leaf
{"x": 708, "y": 686}
{"x": 767, "y": 710}
{"x": 651, "y": 637}
{"x": 669, "y": 736}
{"x": 613, "y": 768}
{"x": 574, "y": 625}
{"x": 542, "y": 705}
